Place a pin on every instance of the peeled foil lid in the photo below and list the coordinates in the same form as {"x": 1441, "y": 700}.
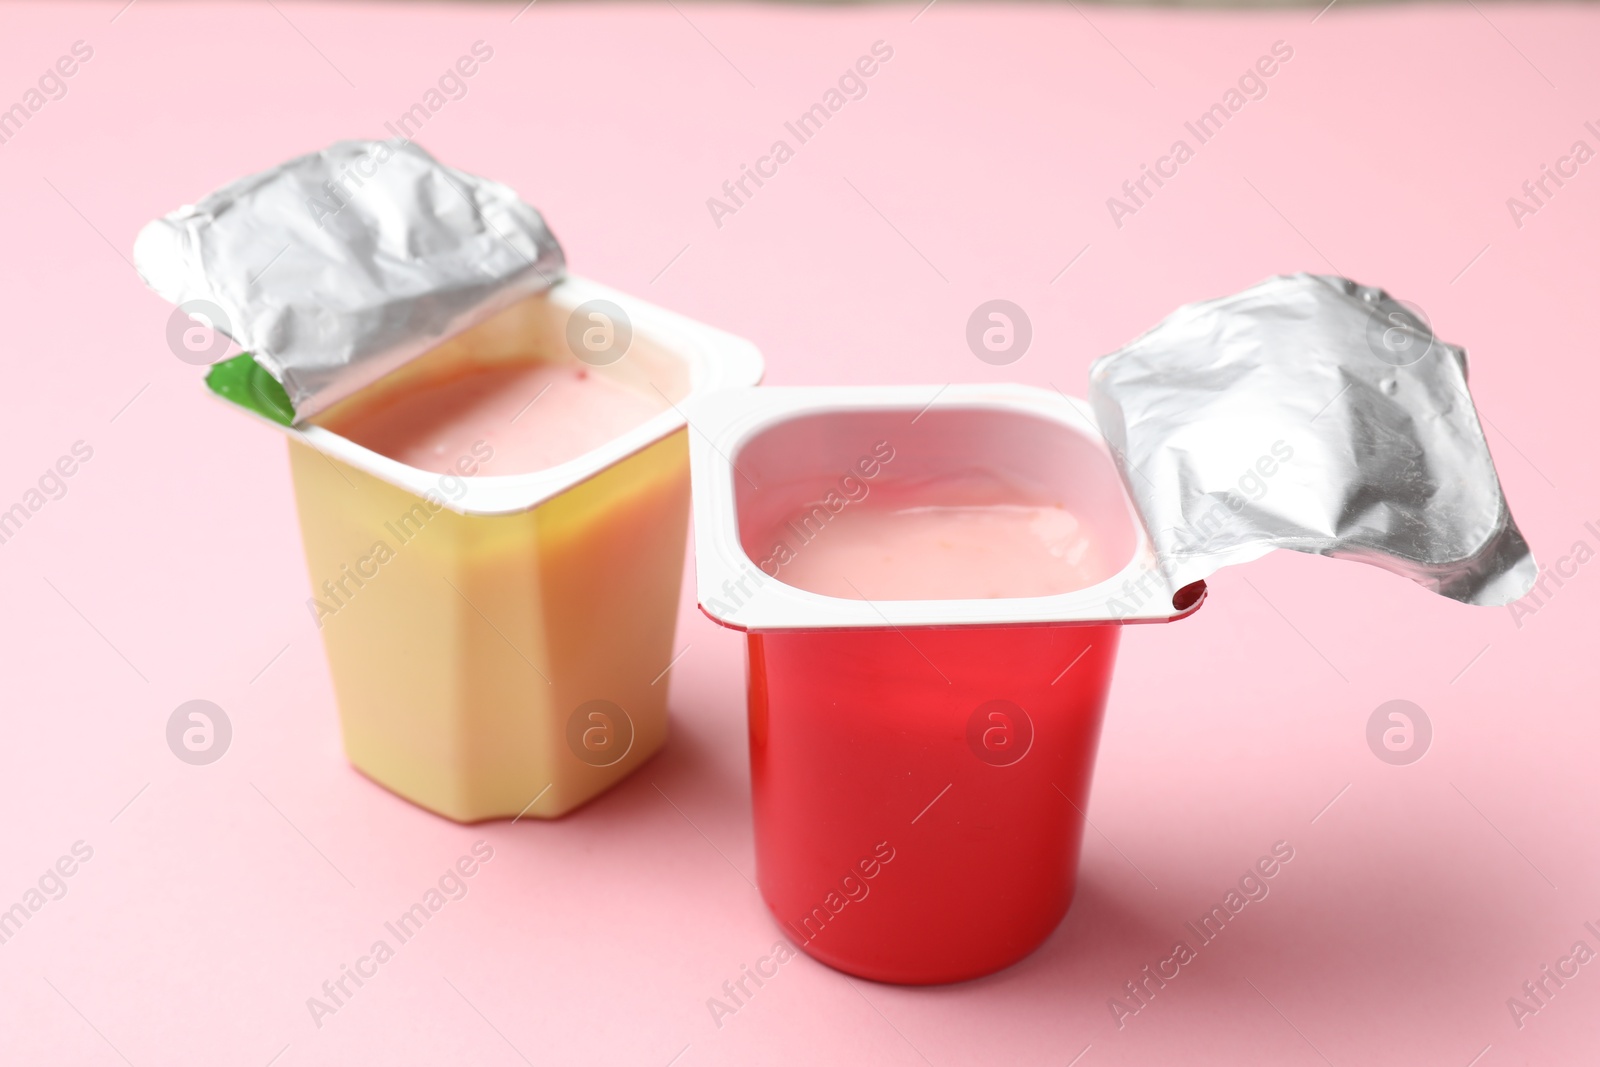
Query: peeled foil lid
{"x": 337, "y": 267}
{"x": 1314, "y": 414}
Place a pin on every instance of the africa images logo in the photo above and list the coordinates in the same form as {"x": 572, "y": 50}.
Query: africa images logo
{"x": 1252, "y": 888}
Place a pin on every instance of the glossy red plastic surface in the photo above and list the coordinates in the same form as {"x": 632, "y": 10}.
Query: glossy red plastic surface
{"x": 919, "y": 793}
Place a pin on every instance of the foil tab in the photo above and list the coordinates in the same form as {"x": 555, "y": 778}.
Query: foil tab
{"x": 337, "y": 267}
{"x": 1315, "y": 414}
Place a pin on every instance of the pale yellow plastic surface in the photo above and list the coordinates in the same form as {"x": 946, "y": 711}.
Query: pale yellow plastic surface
{"x": 459, "y": 663}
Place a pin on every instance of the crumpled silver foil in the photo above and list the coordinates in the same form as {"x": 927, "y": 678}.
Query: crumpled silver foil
{"x": 335, "y": 268}
{"x": 1315, "y": 414}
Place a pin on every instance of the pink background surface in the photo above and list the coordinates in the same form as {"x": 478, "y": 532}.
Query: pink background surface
{"x": 219, "y": 898}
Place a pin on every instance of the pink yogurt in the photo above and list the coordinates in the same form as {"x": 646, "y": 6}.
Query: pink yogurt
{"x": 919, "y": 543}
{"x": 533, "y": 415}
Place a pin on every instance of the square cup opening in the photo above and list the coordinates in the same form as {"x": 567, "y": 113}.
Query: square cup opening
{"x": 538, "y": 330}
{"x": 651, "y": 360}
{"x": 957, "y": 503}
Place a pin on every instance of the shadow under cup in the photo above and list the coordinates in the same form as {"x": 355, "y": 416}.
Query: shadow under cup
{"x": 919, "y": 790}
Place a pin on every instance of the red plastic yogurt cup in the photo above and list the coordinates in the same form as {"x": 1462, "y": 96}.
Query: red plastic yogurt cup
{"x": 920, "y": 765}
